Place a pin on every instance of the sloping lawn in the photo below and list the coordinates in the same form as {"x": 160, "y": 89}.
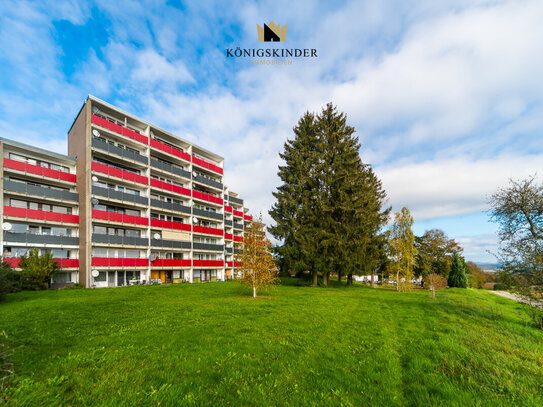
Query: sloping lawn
{"x": 211, "y": 344}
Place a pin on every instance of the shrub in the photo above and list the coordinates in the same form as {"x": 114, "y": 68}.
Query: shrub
{"x": 10, "y": 280}
{"x": 457, "y": 275}
{"x": 536, "y": 315}
{"x": 37, "y": 270}
{"x": 500, "y": 287}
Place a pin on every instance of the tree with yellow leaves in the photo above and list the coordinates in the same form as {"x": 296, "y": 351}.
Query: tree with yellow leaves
{"x": 258, "y": 270}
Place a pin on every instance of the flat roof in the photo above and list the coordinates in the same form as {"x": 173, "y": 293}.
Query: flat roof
{"x": 36, "y": 149}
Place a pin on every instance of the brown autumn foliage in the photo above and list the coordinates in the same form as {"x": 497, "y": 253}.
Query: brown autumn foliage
{"x": 258, "y": 270}
{"x": 434, "y": 282}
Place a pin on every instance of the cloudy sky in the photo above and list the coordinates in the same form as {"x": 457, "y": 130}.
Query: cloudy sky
{"x": 446, "y": 97}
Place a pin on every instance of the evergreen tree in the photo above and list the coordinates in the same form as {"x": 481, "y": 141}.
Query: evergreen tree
{"x": 329, "y": 208}
{"x": 457, "y": 275}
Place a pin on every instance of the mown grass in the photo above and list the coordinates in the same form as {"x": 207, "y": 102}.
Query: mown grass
{"x": 211, "y": 344}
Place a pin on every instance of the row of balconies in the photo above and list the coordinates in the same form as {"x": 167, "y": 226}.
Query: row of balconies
{"x": 23, "y": 188}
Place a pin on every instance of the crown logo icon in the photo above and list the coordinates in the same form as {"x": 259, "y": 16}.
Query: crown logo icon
{"x": 271, "y": 32}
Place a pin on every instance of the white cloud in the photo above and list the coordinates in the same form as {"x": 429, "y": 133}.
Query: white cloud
{"x": 153, "y": 68}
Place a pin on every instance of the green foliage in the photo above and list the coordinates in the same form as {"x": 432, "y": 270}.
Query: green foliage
{"x": 536, "y": 316}
{"x": 207, "y": 345}
{"x": 434, "y": 253}
{"x": 37, "y": 270}
{"x": 10, "y": 280}
{"x": 457, "y": 275}
{"x": 402, "y": 246}
{"x": 476, "y": 276}
{"x": 328, "y": 210}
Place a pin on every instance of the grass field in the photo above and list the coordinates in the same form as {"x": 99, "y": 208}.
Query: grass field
{"x": 211, "y": 344}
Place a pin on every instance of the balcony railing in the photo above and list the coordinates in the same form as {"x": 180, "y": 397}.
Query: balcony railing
{"x": 121, "y": 152}
{"x": 170, "y": 150}
{"x": 170, "y": 225}
{"x": 235, "y": 200}
{"x": 170, "y": 206}
{"x": 228, "y": 236}
{"x": 207, "y": 263}
{"x": 208, "y": 165}
{"x": 238, "y": 238}
{"x": 169, "y": 168}
{"x": 207, "y": 181}
{"x": 171, "y": 263}
{"x": 228, "y": 249}
{"x": 119, "y": 262}
{"x": 62, "y": 263}
{"x": 238, "y": 226}
{"x": 207, "y": 230}
{"x": 207, "y": 197}
{"x": 117, "y": 217}
{"x": 120, "y": 240}
{"x": 228, "y": 208}
{"x": 100, "y": 121}
{"x": 208, "y": 246}
{"x": 228, "y": 223}
{"x": 170, "y": 187}
{"x": 119, "y": 195}
{"x": 37, "y": 190}
{"x": 248, "y": 217}
{"x": 170, "y": 244}
{"x": 31, "y": 238}
{"x": 41, "y": 215}
{"x": 208, "y": 214}
{"x": 116, "y": 172}
{"x": 238, "y": 213}
{"x": 38, "y": 170}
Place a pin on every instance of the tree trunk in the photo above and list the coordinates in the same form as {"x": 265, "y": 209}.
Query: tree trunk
{"x": 398, "y": 280}
{"x": 315, "y": 278}
{"x": 339, "y": 276}
{"x": 350, "y": 279}
{"x": 372, "y": 282}
{"x": 325, "y": 278}
{"x": 254, "y": 291}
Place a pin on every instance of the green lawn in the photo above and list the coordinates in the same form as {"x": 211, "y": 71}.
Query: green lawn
{"x": 211, "y": 344}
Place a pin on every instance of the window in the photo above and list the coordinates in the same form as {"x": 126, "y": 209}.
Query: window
{"x": 40, "y": 206}
{"x": 99, "y": 230}
{"x": 33, "y": 161}
{"x": 62, "y": 277}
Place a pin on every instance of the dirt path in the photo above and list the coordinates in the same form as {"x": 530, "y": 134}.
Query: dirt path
{"x": 519, "y": 298}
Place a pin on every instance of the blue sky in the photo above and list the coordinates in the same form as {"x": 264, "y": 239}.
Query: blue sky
{"x": 446, "y": 97}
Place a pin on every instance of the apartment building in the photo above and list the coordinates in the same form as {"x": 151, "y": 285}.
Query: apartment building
{"x": 145, "y": 205}
{"x": 40, "y": 206}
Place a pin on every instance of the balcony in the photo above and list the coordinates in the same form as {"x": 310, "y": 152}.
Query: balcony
{"x": 208, "y": 182}
{"x": 238, "y": 238}
{"x": 155, "y": 203}
{"x": 233, "y": 263}
{"x": 119, "y": 262}
{"x": 207, "y": 197}
{"x": 207, "y": 214}
{"x": 171, "y": 263}
{"x": 207, "y": 230}
{"x": 100, "y": 121}
{"x": 207, "y": 263}
{"x": 37, "y": 170}
{"x": 170, "y": 244}
{"x": 228, "y": 236}
{"x": 121, "y": 196}
{"x": 170, "y": 150}
{"x": 235, "y": 200}
{"x": 170, "y": 225}
{"x": 208, "y": 165}
{"x": 228, "y": 222}
{"x": 239, "y": 214}
{"x": 238, "y": 226}
{"x": 170, "y": 187}
{"x": 248, "y": 218}
{"x": 31, "y": 238}
{"x": 62, "y": 263}
{"x": 160, "y": 165}
{"x": 228, "y": 249}
{"x": 116, "y": 172}
{"x": 37, "y": 190}
{"x": 118, "y": 151}
{"x": 117, "y": 217}
{"x": 208, "y": 246}
{"x": 41, "y": 215}
{"x": 120, "y": 240}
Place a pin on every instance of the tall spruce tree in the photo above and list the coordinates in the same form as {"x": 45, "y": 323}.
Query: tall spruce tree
{"x": 457, "y": 275}
{"x": 329, "y": 208}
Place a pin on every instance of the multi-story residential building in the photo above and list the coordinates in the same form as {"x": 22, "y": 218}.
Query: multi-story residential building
{"x": 149, "y": 206}
{"x": 39, "y": 206}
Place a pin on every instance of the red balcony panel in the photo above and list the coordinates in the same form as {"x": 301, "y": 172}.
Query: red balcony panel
{"x": 247, "y": 217}
{"x": 119, "y": 262}
{"x": 36, "y": 169}
{"x": 207, "y": 197}
{"x": 119, "y": 129}
{"x": 238, "y": 213}
{"x": 115, "y": 172}
{"x": 210, "y": 231}
{"x": 238, "y": 238}
{"x": 170, "y": 187}
{"x": 171, "y": 150}
{"x": 171, "y": 263}
{"x": 207, "y": 263}
{"x": 237, "y": 264}
{"x": 170, "y": 225}
{"x": 118, "y": 217}
{"x": 207, "y": 165}
{"x": 229, "y": 264}
{"x": 42, "y": 215}
{"x": 228, "y": 236}
{"x": 62, "y": 263}
{"x": 228, "y": 208}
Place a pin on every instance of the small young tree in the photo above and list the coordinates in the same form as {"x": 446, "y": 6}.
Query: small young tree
{"x": 434, "y": 282}
{"x": 37, "y": 269}
{"x": 257, "y": 268}
{"x": 402, "y": 245}
{"x": 457, "y": 275}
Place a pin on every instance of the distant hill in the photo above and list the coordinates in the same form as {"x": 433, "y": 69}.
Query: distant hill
{"x": 489, "y": 267}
